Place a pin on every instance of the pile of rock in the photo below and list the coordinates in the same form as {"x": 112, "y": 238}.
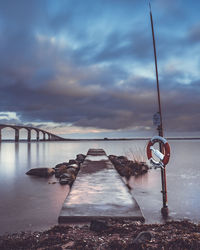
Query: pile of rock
{"x": 66, "y": 172}
{"x": 128, "y": 168}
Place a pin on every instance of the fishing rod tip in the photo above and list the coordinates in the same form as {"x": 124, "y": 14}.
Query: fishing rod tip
{"x": 149, "y": 5}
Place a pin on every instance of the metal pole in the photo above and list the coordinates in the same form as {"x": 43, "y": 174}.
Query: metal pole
{"x": 164, "y": 209}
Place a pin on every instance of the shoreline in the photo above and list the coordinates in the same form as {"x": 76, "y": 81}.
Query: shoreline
{"x": 114, "y": 234}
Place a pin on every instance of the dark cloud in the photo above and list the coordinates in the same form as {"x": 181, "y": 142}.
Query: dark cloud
{"x": 129, "y": 105}
{"x": 73, "y": 63}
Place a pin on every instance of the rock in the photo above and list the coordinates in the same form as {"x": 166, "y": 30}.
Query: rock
{"x": 72, "y": 170}
{"x": 66, "y": 175}
{"x": 80, "y": 158}
{"x": 41, "y": 172}
{"x": 65, "y": 181}
{"x": 53, "y": 182}
{"x": 112, "y": 157}
{"x": 143, "y": 237}
{"x": 69, "y": 245}
{"x": 61, "y": 164}
{"x": 122, "y": 158}
{"x": 98, "y": 225}
{"x": 144, "y": 168}
{"x": 119, "y": 160}
{"x": 61, "y": 170}
{"x": 123, "y": 171}
{"x": 75, "y": 166}
{"x": 72, "y": 162}
{"x": 138, "y": 168}
{"x": 134, "y": 168}
{"x": 67, "y": 178}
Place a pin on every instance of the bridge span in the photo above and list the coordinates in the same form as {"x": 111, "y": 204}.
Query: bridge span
{"x": 50, "y": 136}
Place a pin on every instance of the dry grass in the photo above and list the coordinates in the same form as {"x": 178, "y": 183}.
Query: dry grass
{"x": 136, "y": 155}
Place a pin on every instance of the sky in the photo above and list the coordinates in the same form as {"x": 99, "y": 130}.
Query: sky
{"x": 86, "y": 68}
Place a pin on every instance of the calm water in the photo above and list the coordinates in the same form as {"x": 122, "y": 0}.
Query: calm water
{"x": 31, "y": 203}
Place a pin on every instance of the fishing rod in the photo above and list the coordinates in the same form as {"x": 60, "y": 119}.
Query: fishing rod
{"x": 164, "y": 209}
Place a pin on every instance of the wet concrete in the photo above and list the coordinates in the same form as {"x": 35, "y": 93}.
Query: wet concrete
{"x": 98, "y": 193}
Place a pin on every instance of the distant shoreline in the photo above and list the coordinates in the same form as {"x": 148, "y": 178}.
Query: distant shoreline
{"x": 107, "y": 139}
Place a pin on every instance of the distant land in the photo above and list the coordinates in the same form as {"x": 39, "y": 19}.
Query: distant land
{"x": 109, "y": 139}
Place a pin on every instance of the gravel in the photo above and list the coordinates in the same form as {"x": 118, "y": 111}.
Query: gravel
{"x": 117, "y": 234}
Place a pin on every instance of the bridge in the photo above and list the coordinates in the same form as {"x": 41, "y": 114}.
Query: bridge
{"x": 46, "y": 136}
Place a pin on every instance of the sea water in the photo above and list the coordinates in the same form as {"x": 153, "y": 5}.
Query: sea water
{"x": 33, "y": 203}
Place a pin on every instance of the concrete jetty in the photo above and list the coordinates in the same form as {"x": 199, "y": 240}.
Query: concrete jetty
{"x": 98, "y": 193}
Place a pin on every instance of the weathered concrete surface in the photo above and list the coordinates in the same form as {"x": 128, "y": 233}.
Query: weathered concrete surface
{"x": 98, "y": 193}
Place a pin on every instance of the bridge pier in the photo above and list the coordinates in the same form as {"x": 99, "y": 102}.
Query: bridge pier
{"x": 49, "y": 137}
{"x": 29, "y": 135}
{"x": 44, "y": 138}
{"x": 38, "y": 135}
{"x": 0, "y": 135}
{"x": 53, "y": 138}
{"x": 16, "y": 134}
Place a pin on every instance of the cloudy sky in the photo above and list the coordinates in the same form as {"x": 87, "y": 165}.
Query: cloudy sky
{"x": 86, "y": 68}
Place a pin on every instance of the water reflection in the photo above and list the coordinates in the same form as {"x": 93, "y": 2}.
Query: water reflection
{"x": 37, "y": 152}
{"x": 17, "y": 153}
{"x": 8, "y": 159}
{"x": 29, "y": 154}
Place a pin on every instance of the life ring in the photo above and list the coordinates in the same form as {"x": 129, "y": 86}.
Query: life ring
{"x": 164, "y": 158}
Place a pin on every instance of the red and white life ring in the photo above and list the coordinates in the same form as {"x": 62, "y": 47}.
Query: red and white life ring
{"x": 164, "y": 158}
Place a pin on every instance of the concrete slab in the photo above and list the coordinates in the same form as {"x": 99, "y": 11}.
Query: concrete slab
{"x": 98, "y": 193}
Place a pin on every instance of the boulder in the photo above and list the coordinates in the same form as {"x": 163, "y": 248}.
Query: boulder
{"x": 80, "y": 158}
{"x": 122, "y": 158}
{"x": 41, "y": 172}
{"x": 61, "y": 164}
{"x": 98, "y": 225}
{"x": 138, "y": 168}
{"x": 61, "y": 170}
{"x": 65, "y": 181}
{"x": 72, "y": 162}
{"x": 112, "y": 157}
{"x": 71, "y": 171}
{"x": 75, "y": 166}
{"x": 144, "y": 168}
{"x": 143, "y": 237}
{"x": 66, "y": 178}
{"x": 124, "y": 171}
